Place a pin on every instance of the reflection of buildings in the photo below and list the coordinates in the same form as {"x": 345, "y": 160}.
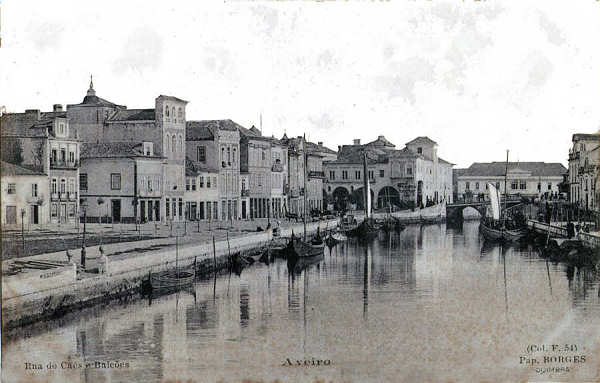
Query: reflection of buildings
{"x": 409, "y": 177}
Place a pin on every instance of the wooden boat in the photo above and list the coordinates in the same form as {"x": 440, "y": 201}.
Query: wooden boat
{"x": 297, "y": 265}
{"x": 347, "y": 223}
{"x": 317, "y": 241}
{"x": 171, "y": 279}
{"x": 368, "y": 228}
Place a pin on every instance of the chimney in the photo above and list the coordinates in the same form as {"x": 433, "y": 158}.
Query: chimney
{"x": 356, "y": 141}
{"x": 381, "y": 138}
{"x": 320, "y": 143}
{"x": 33, "y": 113}
{"x": 339, "y": 148}
{"x": 57, "y": 108}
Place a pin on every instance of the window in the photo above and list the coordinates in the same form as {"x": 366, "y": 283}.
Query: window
{"x": 228, "y": 156}
{"x": 234, "y": 155}
{"x": 357, "y": 174}
{"x": 409, "y": 171}
{"x": 243, "y": 184}
{"x": 420, "y": 150}
{"x": 201, "y": 155}
{"x": 498, "y": 185}
{"x": 167, "y": 113}
{"x": 34, "y": 190}
{"x": 486, "y": 186}
{"x": 522, "y": 185}
{"x": 71, "y": 185}
{"x": 61, "y": 129}
{"x": 54, "y": 210}
{"x": 63, "y": 155}
{"x": 332, "y": 175}
{"x": 63, "y": 185}
{"x": 263, "y": 155}
{"x": 193, "y": 183}
{"x": 71, "y": 210}
{"x": 539, "y": 186}
{"x": 173, "y": 144}
{"x": 53, "y": 186}
{"x": 149, "y": 148}
{"x": 381, "y": 173}
{"x": 180, "y": 113}
{"x": 12, "y": 188}
{"x": 71, "y": 157}
{"x": 168, "y": 201}
{"x": 344, "y": 174}
{"x": 476, "y": 185}
{"x": 173, "y": 114}
{"x": 208, "y": 181}
{"x": 187, "y": 183}
{"x": 53, "y": 156}
{"x": 180, "y": 143}
{"x": 467, "y": 185}
{"x": 222, "y": 154}
{"x": 201, "y": 183}
{"x": 115, "y": 181}
{"x": 549, "y": 185}
{"x": 167, "y": 142}
{"x": 514, "y": 185}
{"x": 180, "y": 210}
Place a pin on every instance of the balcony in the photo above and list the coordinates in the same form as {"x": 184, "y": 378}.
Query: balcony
{"x": 64, "y": 164}
{"x": 316, "y": 174}
{"x": 245, "y": 193}
{"x": 278, "y": 168}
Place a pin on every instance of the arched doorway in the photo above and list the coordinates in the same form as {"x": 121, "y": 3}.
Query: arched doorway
{"x": 341, "y": 198}
{"x": 358, "y": 197}
{"x": 388, "y": 197}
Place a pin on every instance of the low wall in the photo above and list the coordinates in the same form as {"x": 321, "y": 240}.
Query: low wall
{"x": 25, "y": 300}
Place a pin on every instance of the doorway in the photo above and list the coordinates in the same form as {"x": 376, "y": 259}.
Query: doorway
{"x": 116, "y": 210}
{"x": 34, "y": 216}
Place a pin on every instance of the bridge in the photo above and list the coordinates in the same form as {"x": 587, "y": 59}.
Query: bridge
{"x": 454, "y": 211}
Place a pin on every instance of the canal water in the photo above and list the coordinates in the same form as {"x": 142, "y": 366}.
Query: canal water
{"x": 433, "y": 303}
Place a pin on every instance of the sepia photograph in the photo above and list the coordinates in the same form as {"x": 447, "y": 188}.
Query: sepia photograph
{"x": 311, "y": 191}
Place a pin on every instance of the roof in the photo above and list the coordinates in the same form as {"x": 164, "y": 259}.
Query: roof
{"x": 381, "y": 141}
{"x": 443, "y": 161}
{"x": 207, "y": 129}
{"x": 319, "y": 148}
{"x": 541, "y": 169}
{"x": 422, "y": 140}
{"x": 585, "y": 136}
{"x": 113, "y": 150}
{"x": 9, "y": 169}
{"x": 173, "y": 98}
{"x": 133, "y": 115}
{"x": 193, "y": 168}
{"x": 253, "y": 133}
{"x": 31, "y": 124}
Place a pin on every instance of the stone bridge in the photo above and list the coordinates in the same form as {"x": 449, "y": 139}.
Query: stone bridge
{"x": 454, "y": 211}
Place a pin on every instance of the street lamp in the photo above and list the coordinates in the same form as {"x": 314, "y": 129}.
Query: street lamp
{"x": 84, "y": 206}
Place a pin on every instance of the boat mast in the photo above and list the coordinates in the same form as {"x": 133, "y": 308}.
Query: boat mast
{"x": 366, "y": 184}
{"x": 305, "y": 163}
{"x": 505, "y": 194}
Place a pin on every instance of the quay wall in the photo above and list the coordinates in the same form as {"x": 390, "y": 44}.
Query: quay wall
{"x": 25, "y": 300}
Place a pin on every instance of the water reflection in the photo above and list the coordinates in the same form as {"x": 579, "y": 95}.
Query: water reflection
{"x": 418, "y": 294}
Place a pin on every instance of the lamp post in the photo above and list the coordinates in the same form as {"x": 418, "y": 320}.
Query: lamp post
{"x": 23, "y": 230}
{"x": 84, "y": 208}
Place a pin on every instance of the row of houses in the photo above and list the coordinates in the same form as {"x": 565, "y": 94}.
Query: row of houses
{"x": 584, "y": 171}
{"x": 103, "y": 162}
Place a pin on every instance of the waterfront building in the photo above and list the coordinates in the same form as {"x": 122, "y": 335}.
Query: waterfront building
{"x": 215, "y": 145}
{"x": 201, "y": 192}
{"x": 98, "y": 120}
{"x": 528, "y": 179}
{"x": 406, "y": 178}
{"x": 296, "y": 147}
{"x": 24, "y": 196}
{"x": 583, "y": 171}
{"x": 46, "y": 142}
{"x": 121, "y": 182}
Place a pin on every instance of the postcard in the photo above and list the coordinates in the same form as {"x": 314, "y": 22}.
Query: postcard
{"x": 300, "y": 191}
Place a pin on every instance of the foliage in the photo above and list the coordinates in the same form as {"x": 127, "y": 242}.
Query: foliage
{"x": 12, "y": 150}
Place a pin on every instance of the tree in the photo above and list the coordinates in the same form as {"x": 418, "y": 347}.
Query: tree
{"x": 37, "y": 153}
{"x": 12, "y": 150}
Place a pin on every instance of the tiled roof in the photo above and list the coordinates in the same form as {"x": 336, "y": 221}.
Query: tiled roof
{"x": 541, "y": 169}
{"x": 206, "y": 129}
{"x": 113, "y": 150}
{"x": 422, "y": 140}
{"x": 9, "y": 169}
{"x": 28, "y": 125}
{"x": 381, "y": 141}
{"x": 193, "y": 168}
{"x": 443, "y": 161}
{"x": 315, "y": 147}
{"x": 173, "y": 98}
{"x": 133, "y": 115}
{"x": 96, "y": 101}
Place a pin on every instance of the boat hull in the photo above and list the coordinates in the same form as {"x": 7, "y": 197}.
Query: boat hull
{"x": 501, "y": 235}
{"x": 171, "y": 279}
{"x": 302, "y": 249}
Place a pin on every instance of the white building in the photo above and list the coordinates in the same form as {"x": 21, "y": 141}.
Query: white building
{"x": 528, "y": 179}
{"x": 24, "y": 196}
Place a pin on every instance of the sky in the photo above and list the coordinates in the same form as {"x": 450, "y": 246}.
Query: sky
{"x": 477, "y": 77}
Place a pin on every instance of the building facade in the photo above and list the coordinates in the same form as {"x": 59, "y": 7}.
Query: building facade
{"x": 121, "y": 182}
{"x": 411, "y": 177}
{"x": 583, "y": 171}
{"x": 527, "y": 179}
{"x": 214, "y": 145}
{"x": 48, "y": 144}
{"x": 201, "y": 193}
{"x": 24, "y": 196}
{"x": 100, "y": 121}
